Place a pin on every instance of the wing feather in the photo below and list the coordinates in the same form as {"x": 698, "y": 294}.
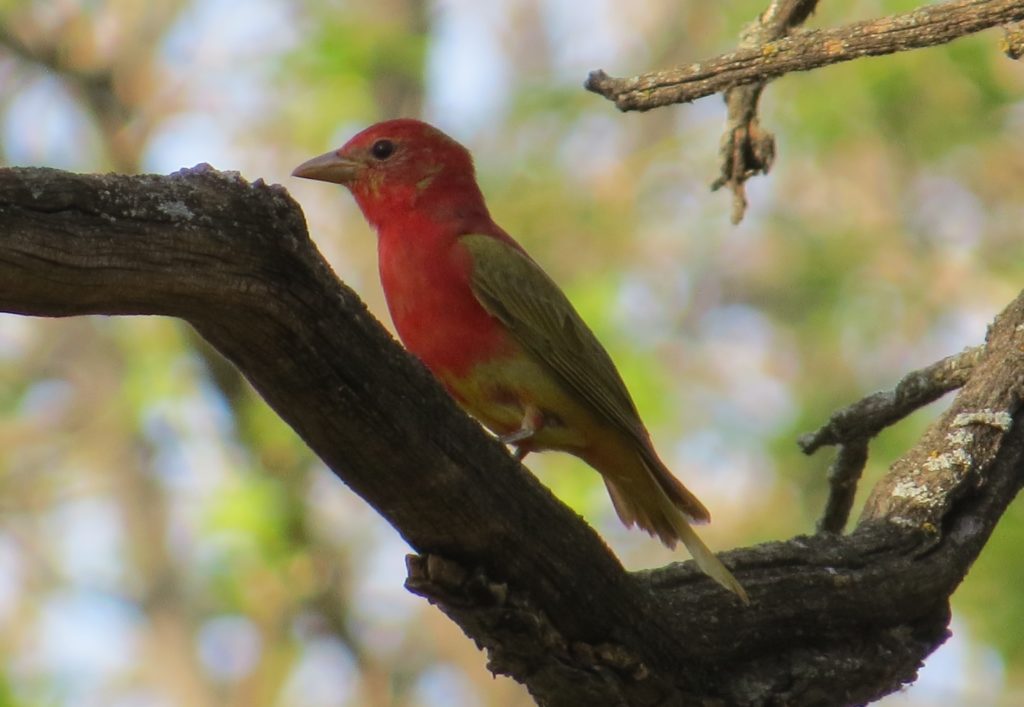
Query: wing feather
{"x": 513, "y": 288}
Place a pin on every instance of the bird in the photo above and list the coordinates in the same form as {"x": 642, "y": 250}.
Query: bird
{"x": 496, "y": 330}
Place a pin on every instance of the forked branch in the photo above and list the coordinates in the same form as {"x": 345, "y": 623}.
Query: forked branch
{"x": 852, "y": 428}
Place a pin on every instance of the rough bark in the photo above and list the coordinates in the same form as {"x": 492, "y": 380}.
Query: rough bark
{"x": 834, "y": 619}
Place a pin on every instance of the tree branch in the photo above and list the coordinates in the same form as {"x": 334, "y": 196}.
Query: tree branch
{"x": 867, "y": 417}
{"x": 835, "y": 619}
{"x": 843, "y": 475}
{"x": 746, "y": 149}
{"x": 1013, "y": 40}
{"x": 851, "y": 428}
{"x": 802, "y": 51}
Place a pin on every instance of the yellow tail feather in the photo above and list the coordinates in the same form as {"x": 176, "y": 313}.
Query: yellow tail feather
{"x": 658, "y": 515}
{"x": 705, "y": 559}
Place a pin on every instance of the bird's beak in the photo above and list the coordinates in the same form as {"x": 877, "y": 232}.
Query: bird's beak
{"x": 329, "y": 167}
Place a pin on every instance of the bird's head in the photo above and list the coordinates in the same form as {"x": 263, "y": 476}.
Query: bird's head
{"x": 399, "y": 166}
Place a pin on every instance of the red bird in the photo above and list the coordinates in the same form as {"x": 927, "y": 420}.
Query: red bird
{"x": 497, "y": 331}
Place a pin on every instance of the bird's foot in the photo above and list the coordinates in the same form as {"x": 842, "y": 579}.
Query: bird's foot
{"x": 533, "y": 420}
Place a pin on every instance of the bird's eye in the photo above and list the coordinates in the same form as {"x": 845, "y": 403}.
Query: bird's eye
{"x": 382, "y": 149}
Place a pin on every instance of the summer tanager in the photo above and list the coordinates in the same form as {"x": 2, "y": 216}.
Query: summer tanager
{"x": 497, "y": 331}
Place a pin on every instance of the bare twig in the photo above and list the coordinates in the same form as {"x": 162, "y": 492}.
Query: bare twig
{"x": 746, "y": 149}
{"x": 843, "y": 476}
{"x": 853, "y": 427}
{"x": 867, "y": 417}
{"x": 801, "y": 51}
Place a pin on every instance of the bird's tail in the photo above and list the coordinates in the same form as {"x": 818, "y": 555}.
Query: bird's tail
{"x": 661, "y": 505}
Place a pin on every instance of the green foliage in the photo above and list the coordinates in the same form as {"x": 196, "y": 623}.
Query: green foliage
{"x": 7, "y": 694}
{"x": 347, "y": 64}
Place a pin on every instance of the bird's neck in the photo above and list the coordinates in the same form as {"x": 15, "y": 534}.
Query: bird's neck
{"x": 441, "y": 202}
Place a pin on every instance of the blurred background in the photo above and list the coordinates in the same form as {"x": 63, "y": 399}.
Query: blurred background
{"x": 166, "y": 540}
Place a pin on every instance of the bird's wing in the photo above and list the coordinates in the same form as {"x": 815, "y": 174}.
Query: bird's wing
{"x": 514, "y": 289}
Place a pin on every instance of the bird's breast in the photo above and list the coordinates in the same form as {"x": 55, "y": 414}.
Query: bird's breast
{"x": 437, "y": 316}
{"x": 426, "y": 282}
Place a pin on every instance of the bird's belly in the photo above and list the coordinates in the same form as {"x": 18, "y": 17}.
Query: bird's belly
{"x": 504, "y": 392}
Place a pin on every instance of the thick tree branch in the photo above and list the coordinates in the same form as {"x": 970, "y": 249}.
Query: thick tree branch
{"x": 834, "y": 620}
{"x": 805, "y": 50}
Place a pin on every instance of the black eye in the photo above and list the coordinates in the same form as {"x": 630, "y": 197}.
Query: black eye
{"x": 382, "y": 149}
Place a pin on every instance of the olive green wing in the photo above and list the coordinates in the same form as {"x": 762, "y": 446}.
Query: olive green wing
{"x": 514, "y": 289}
